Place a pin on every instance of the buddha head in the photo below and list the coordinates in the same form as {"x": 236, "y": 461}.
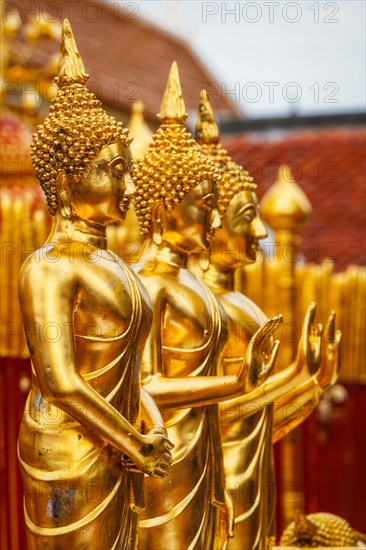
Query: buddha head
{"x": 237, "y": 241}
{"x": 81, "y": 155}
{"x": 177, "y": 191}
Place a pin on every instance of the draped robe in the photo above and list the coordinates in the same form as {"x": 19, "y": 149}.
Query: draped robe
{"x": 188, "y": 509}
{"x": 77, "y": 495}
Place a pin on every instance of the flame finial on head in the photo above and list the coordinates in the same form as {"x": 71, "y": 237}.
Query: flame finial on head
{"x": 206, "y": 128}
{"x": 234, "y": 178}
{"x": 71, "y": 67}
{"x": 172, "y": 107}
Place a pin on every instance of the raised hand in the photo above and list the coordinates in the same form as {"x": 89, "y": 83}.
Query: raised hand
{"x": 309, "y": 348}
{"x": 258, "y": 361}
{"x": 327, "y": 373}
{"x": 154, "y": 457}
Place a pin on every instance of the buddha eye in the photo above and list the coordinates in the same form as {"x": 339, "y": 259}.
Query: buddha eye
{"x": 247, "y": 213}
{"x": 118, "y": 167}
{"x": 117, "y": 173}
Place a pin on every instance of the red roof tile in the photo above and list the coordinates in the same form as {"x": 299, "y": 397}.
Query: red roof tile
{"x": 127, "y": 58}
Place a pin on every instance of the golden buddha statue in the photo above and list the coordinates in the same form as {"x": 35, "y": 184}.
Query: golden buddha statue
{"x": 86, "y": 317}
{"x": 176, "y": 205}
{"x": 252, "y": 421}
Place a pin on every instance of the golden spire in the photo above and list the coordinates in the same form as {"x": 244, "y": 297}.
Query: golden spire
{"x": 71, "y": 68}
{"x": 172, "y": 107}
{"x": 285, "y": 205}
{"x": 139, "y": 131}
{"x": 234, "y": 178}
{"x": 206, "y": 128}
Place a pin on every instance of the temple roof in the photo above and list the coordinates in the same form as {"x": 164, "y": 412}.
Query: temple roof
{"x": 126, "y": 57}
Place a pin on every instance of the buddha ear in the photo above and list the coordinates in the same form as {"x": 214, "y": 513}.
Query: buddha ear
{"x": 158, "y": 222}
{"x": 63, "y": 197}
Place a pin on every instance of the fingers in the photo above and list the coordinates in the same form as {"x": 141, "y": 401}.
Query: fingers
{"x": 165, "y": 442}
{"x": 275, "y": 350}
{"x": 331, "y": 327}
{"x": 276, "y": 321}
{"x": 318, "y": 329}
{"x": 158, "y": 430}
{"x": 279, "y": 321}
{"x": 311, "y": 311}
{"x": 129, "y": 465}
{"x": 272, "y": 326}
{"x": 162, "y": 468}
{"x": 159, "y": 473}
{"x": 133, "y": 468}
{"x": 268, "y": 328}
{"x": 165, "y": 465}
{"x": 168, "y": 444}
{"x": 165, "y": 445}
{"x": 331, "y": 333}
{"x": 309, "y": 317}
{"x": 167, "y": 459}
{"x": 272, "y": 359}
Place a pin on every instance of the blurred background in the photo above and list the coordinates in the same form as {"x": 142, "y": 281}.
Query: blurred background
{"x": 286, "y": 81}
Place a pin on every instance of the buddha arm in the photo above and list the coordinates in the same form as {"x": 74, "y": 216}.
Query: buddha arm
{"x": 270, "y": 391}
{"x": 181, "y": 392}
{"x": 293, "y": 400}
{"x": 192, "y": 391}
{"x": 295, "y": 406}
{"x": 150, "y": 414}
{"x": 184, "y": 392}
{"x": 51, "y": 303}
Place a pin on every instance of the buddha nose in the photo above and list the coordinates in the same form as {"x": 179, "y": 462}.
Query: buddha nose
{"x": 259, "y": 228}
{"x": 129, "y": 185}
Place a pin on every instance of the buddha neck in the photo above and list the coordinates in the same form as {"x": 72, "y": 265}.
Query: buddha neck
{"x": 78, "y": 230}
{"x": 172, "y": 255}
{"x": 148, "y": 251}
{"x": 219, "y": 277}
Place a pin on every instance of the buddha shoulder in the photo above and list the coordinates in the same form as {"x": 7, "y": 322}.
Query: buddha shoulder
{"x": 241, "y": 309}
{"x": 75, "y": 268}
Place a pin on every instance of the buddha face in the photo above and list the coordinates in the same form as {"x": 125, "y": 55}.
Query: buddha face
{"x": 103, "y": 193}
{"x": 237, "y": 242}
{"x": 191, "y": 224}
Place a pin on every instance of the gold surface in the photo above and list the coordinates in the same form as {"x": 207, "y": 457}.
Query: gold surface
{"x": 321, "y": 530}
{"x": 192, "y": 321}
{"x": 125, "y": 238}
{"x": 88, "y": 433}
{"x": 250, "y": 422}
{"x": 190, "y": 509}
{"x": 280, "y": 281}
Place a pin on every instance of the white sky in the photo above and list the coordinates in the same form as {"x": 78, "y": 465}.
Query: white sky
{"x": 275, "y": 57}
